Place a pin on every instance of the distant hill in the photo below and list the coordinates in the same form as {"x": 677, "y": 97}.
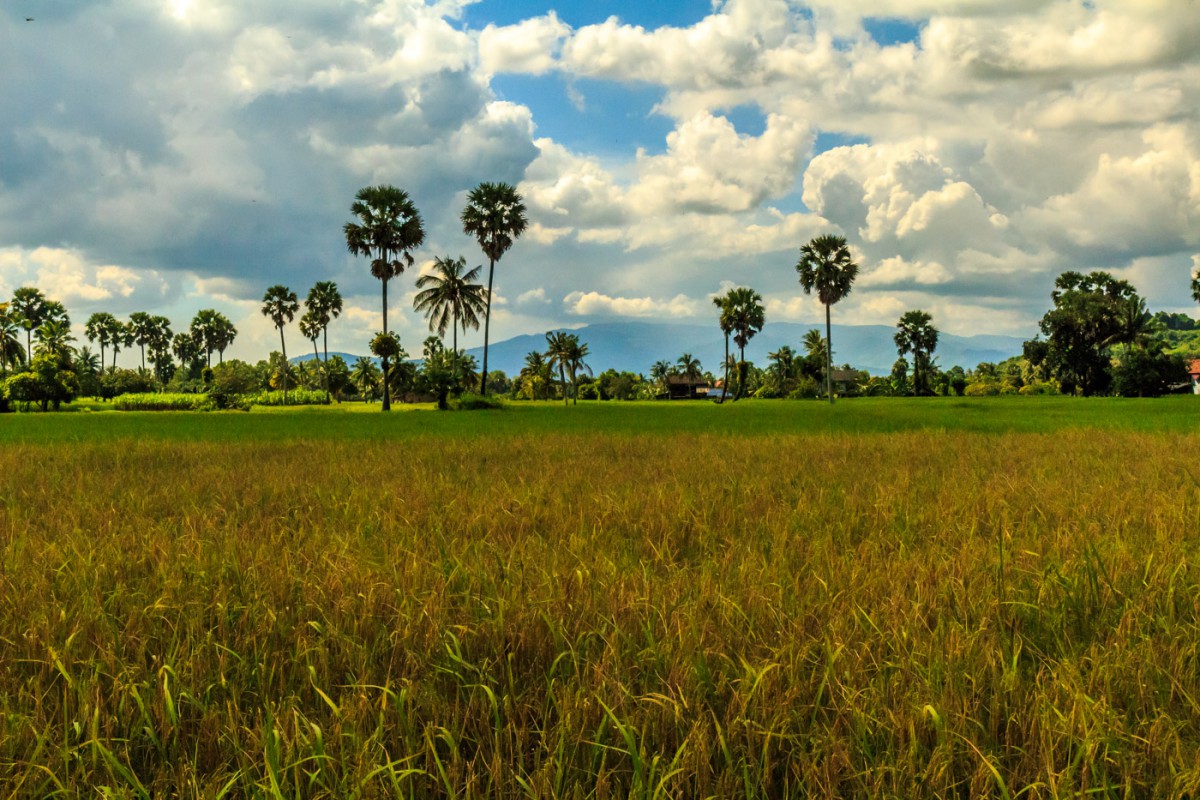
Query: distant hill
{"x": 635, "y": 346}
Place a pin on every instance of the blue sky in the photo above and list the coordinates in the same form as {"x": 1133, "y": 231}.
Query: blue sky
{"x": 969, "y": 151}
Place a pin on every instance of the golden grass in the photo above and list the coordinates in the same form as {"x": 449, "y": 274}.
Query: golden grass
{"x": 599, "y": 615}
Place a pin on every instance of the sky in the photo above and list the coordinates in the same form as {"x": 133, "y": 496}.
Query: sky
{"x": 173, "y": 155}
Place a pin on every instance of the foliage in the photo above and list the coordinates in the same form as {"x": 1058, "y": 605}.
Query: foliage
{"x": 117, "y": 382}
{"x": 827, "y": 267}
{"x": 915, "y": 334}
{"x": 48, "y": 383}
{"x": 295, "y": 397}
{"x": 477, "y": 402}
{"x": 1147, "y": 372}
{"x": 163, "y": 401}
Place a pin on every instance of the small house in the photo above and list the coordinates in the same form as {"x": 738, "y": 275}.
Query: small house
{"x": 1194, "y": 372}
{"x": 680, "y": 387}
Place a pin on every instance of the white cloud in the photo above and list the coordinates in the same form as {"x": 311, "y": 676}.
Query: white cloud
{"x": 529, "y": 46}
{"x": 597, "y": 304}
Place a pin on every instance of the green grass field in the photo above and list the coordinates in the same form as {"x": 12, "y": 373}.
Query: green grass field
{"x": 887, "y": 598}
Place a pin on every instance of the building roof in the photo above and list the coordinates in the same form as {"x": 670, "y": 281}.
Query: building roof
{"x": 682, "y": 380}
{"x": 1194, "y": 367}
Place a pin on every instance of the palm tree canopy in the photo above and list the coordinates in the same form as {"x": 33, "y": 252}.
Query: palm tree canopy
{"x": 54, "y": 337}
{"x": 29, "y": 304}
{"x": 280, "y": 304}
{"x": 495, "y": 216}
{"x": 746, "y": 312}
{"x": 826, "y": 265}
{"x": 99, "y": 326}
{"x": 576, "y": 352}
{"x": 310, "y": 326}
{"x": 1196, "y": 285}
{"x": 725, "y": 320}
{"x": 324, "y": 301}
{"x": 450, "y": 292}
{"x": 689, "y": 366}
{"x": 388, "y": 229}
{"x": 814, "y": 344}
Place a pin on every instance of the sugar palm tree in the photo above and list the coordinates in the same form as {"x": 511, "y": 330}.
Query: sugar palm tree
{"x": 725, "y": 320}
{"x": 97, "y": 329}
{"x": 389, "y": 228}
{"x": 450, "y": 296}
{"x": 827, "y": 267}
{"x": 689, "y": 367}
{"x": 279, "y": 305}
{"x": 495, "y": 216}
{"x": 141, "y": 326}
{"x": 915, "y": 334}
{"x": 119, "y": 335}
{"x": 186, "y": 349}
{"x": 310, "y": 328}
{"x": 747, "y": 317}
{"x": 29, "y": 305}
{"x": 324, "y": 302}
{"x": 1196, "y": 284}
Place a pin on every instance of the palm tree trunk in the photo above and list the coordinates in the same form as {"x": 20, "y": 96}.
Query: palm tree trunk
{"x": 828, "y": 356}
{"x": 725, "y": 385}
{"x": 741, "y": 372}
{"x": 574, "y": 388}
{"x": 142, "y": 347}
{"x": 562, "y": 378}
{"x": 283, "y": 347}
{"x": 487, "y": 323}
{"x": 454, "y": 346}
{"x": 387, "y": 394}
{"x": 325, "y": 363}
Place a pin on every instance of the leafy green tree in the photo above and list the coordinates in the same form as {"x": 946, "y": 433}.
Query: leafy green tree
{"x": 280, "y": 305}
{"x": 389, "y": 228}
{"x": 48, "y": 382}
{"x": 747, "y": 316}
{"x": 915, "y": 334}
{"x": 449, "y": 296}
{"x": 827, "y": 267}
{"x": 577, "y": 351}
{"x": 495, "y": 216}
{"x": 1091, "y": 314}
{"x": 29, "y": 305}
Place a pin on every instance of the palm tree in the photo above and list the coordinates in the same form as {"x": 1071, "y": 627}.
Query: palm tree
{"x": 11, "y": 352}
{"x": 915, "y": 334}
{"x": 365, "y": 377}
{"x": 186, "y": 349}
{"x": 310, "y": 328}
{"x": 324, "y": 302}
{"x": 660, "y": 371}
{"x": 54, "y": 338}
{"x": 98, "y": 329}
{"x": 87, "y": 361}
{"x": 1196, "y": 284}
{"x": 826, "y": 265}
{"x": 159, "y": 342}
{"x": 557, "y": 354}
{"x": 690, "y": 368}
{"x": 29, "y": 304}
{"x": 726, "y": 322}
{"x": 119, "y": 335}
{"x": 279, "y": 305}
{"x": 537, "y": 368}
{"x": 141, "y": 326}
{"x": 495, "y": 216}
{"x": 783, "y": 366}
{"x": 450, "y": 296}
{"x": 747, "y": 317}
{"x": 388, "y": 230}
{"x": 576, "y": 352}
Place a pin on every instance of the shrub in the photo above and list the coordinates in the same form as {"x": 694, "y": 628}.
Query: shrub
{"x": 154, "y": 401}
{"x": 1038, "y": 388}
{"x": 982, "y": 389}
{"x": 476, "y": 402}
{"x": 295, "y": 397}
{"x": 806, "y": 389}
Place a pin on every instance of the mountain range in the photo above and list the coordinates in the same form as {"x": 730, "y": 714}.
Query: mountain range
{"x": 635, "y": 346}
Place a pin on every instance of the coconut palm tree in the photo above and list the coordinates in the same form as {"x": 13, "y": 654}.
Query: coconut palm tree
{"x": 11, "y": 352}
{"x": 536, "y": 368}
{"x": 54, "y": 338}
{"x": 747, "y": 318}
{"x": 827, "y": 267}
{"x": 689, "y": 367}
{"x": 495, "y": 216}
{"x": 29, "y": 305}
{"x": 86, "y": 361}
{"x": 660, "y": 371}
{"x": 388, "y": 230}
{"x": 915, "y": 334}
{"x": 725, "y": 320}
{"x": 310, "y": 328}
{"x": 556, "y": 357}
{"x": 576, "y": 352}
{"x": 450, "y": 297}
{"x": 783, "y": 366}
{"x": 279, "y": 305}
{"x": 365, "y": 377}
{"x": 324, "y": 302}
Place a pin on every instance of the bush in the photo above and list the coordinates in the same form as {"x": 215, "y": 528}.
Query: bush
{"x": 982, "y": 389}
{"x": 125, "y": 381}
{"x": 153, "y": 401}
{"x": 295, "y": 397}
{"x": 806, "y": 389}
{"x": 1039, "y": 388}
{"x": 476, "y": 402}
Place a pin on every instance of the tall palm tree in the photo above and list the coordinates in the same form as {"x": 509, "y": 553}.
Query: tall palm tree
{"x": 495, "y": 216}
{"x": 537, "y": 368}
{"x": 324, "y": 302}
{"x": 11, "y": 352}
{"x": 915, "y": 334}
{"x": 98, "y": 329}
{"x": 826, "y": 266}
{"x": 1196, "y": 284}
{"x": 557, "y": 355}
{"x": 279, "y": 305}
{"x": 747, "y": 317}
{"x": 310, "y": 328}
{"x": 119, "y": 335}
{"x": 141, "y": 326}
{"x": 690, "y": 368}
{"x": 725, "y": 320}
{"x": 365, "y": 377}
{"x": 86, "y": 361}
{"x": 450, "y": 296}
{"x": 576, "y": 352}
{"x": 388, "y": 230}
{"x": 29, "y": 304}
{"x": 783, "y": 366}
{"x": 159, "y": 343}
{"x": 186, "y": 349}
{"x": 54, "y": 338}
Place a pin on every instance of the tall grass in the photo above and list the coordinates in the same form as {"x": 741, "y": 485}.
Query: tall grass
{"x": 593, "y": 614}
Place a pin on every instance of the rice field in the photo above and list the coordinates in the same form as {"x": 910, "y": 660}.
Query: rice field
{"x": 925, "y": 598}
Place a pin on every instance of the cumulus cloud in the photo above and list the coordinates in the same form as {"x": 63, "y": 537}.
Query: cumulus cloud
{"x": 602, "y": 305}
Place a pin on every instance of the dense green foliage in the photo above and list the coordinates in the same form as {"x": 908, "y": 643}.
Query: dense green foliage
{"x": 883, "y": 598}
{"x": 163, "y": 401}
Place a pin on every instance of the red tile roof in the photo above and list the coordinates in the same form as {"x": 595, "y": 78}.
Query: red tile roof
{"x": 1194, "y": 367}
